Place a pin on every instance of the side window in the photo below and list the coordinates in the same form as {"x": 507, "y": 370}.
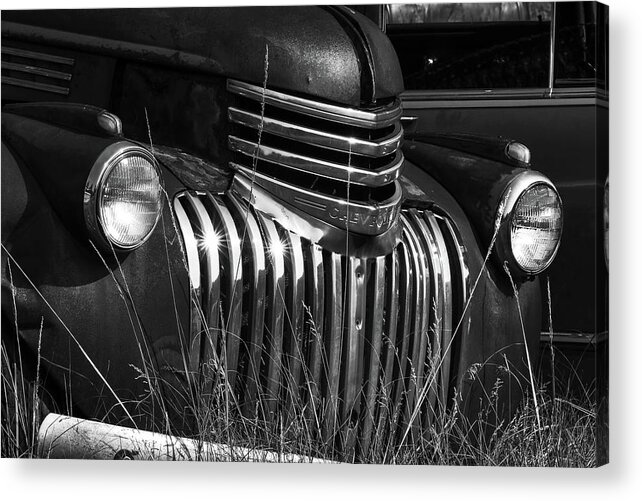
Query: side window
{"x": 472, "y": 46}
{"x": 581, "y": 55}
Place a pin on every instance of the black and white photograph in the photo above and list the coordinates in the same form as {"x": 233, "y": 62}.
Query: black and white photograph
{"x": 328, "y": 234}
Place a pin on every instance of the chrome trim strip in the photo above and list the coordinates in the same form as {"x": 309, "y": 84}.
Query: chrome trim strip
{"x": 551, "y": 51}
{"x": 341, "y": 172}
{"x": 252, "y": 241}
{"x": 536, "y": 93}
{"x": 16, "y": 82}
{"x": 315, "y": 290}
{"x": 421, "y": 321}
{"x": 535, "y": 102}
{"x": 391, "y": 323}
{"x": 35, "y": 70}
{"x": 334, "y": 339}
{"x": 295, "y": 320}
{"x": 403, "y": 328}
{"x": 40, "y": 56}
{"x": 433, "y": 349}
{"x": 210, "y": 280}
{"x": 354, "y": 331}
{"x": 275, "y": 309}
{"x": 231, "y": 326}
{"x": 365, "y": 219}
{"x": 436, "y": 319}
{"x": 190, "y": 246}
{"x": 372, "y": 119}
{"x": 266, "y": 203}
{"x": 579, "y": 338}
{"x": 462, "y": 257}
{"x": 374, "y": 333}
{"x": 415, "y": 359}
{"x": 444, "y": 302}
{"x": 356, "y": 146}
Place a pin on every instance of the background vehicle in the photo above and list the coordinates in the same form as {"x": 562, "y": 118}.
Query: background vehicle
{"x": 537, "y": 71}
{"x": 197, "y": 199}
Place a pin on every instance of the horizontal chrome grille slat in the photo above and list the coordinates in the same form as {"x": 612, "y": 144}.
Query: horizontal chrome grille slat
{"x": 366, "y": 177}
{"x": 345, "y": 342}
{"x": 324, "y": 139}
{"x": 36, "y": 70}
{"x": 16, "y": 82}
{"x": 38, "y": 56}
{"x": 376, "y": 118}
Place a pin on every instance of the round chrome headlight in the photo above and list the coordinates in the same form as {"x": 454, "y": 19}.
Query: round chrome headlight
{"x": 123, "y": 196}
{"x": 531, "y": 228}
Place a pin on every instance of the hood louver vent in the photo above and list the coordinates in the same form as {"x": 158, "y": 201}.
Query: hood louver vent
{"x": 36, "y": 70}
{"x": 336, "y": 163}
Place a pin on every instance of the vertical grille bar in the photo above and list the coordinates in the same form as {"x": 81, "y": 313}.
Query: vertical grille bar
{"x": 429, "y": 387}
{"x": 334, "y": 333}
{"x": 419, "y": 340}
{"x": 406, "y": 299}
{"x": 352, "y": 362}
{"x": 231, "y": 321}
{"x": 194, "y": 270}
{"x": 295, "y": 294}
{"x": 374, "y": 331}
{"x": 445, "y": 294}
{"x": 252, "y": 244}
{"x": 207, "y": 246}
{"x": 391, "y": 321}
{"x": 316, "y": 302}
{"x": 275, "y": 310}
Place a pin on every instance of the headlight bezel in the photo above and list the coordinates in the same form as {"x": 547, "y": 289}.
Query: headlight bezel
{"x": 108, "y": 159}
{"x": 512, "y": 194}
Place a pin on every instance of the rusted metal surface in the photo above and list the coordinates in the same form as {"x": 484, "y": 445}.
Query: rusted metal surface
{"x": 65, "y": 437}
{"x": 322, "y": 60}
{"x": 194, "y": 172}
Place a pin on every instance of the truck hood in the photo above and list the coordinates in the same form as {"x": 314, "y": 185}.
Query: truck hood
{"x": 331, "y": 52}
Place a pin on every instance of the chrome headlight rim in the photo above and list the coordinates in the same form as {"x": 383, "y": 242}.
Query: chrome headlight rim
{"x": 109, "y": 158}
{"x": 512, "y": 194}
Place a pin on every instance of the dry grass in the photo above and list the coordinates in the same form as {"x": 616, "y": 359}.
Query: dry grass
{"x": 565, "y": 435}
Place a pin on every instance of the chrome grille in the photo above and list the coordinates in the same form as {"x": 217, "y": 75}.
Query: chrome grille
{"x": 322, "y": 153}
{"x": 360, "y": 344}
{"x": 36, "y": 70}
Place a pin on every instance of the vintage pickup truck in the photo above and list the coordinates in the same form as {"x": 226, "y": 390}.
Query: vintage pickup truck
{"x": 196, "y": 199}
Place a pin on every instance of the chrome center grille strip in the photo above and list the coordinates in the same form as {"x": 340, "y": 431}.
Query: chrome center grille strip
{"x": 352, "y": 345}
{"x": 312, "y": 150}
{"x": 361, "y": 217}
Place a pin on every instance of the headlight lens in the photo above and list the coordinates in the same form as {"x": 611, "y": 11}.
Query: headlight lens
{"x": 130, "y": 201}
{"x": 536, "y": 228}
{"x": 123, "y": 196}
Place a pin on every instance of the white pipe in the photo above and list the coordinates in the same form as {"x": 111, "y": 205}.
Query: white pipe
{"x": 65, "y": 437}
